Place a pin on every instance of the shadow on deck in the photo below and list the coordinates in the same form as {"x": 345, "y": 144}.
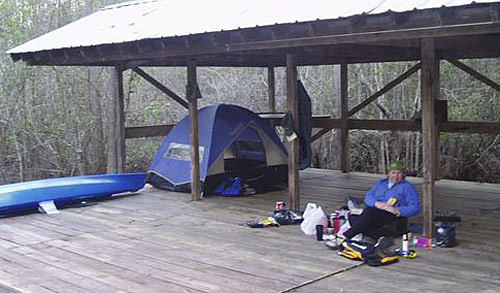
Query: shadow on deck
{"x": 157, "y": 241}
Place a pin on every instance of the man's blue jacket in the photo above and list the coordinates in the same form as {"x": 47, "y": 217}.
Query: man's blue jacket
{"x": 407, "y": 201}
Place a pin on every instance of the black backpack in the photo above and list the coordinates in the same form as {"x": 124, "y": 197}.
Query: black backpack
{"x": 367, "y": 253}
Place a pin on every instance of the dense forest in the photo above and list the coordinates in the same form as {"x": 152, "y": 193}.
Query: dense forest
{"x": 53, "y": 119}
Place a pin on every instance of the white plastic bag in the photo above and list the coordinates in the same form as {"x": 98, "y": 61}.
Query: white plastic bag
{"x": 309, "y": 209}
{"x": 313, "y": 215}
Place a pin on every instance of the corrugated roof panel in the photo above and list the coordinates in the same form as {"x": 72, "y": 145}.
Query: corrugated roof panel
{"x": 138, "y": 20}
{"x": 404, "y": 5}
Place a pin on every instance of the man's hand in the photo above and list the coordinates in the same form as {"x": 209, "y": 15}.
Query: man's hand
{"x": 391, "y": 210}
{"x": 385, "y": 207}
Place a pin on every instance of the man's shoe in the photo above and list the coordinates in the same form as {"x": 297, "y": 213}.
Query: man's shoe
{"x": 334, "y": 243}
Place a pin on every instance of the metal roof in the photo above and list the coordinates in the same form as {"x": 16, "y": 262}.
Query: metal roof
{"x": 149, "y": 19}
{"x": 262, "y": 32}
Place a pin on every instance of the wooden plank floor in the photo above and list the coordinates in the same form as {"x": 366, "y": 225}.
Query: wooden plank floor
{"x": 157, "y": 241}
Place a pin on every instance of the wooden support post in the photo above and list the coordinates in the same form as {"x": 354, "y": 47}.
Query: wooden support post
{"x": 271, "y": 84}
{"x": 292, "y": 94}
{"x": 192, "y": 95}
{"x": 344, "y": 118}
{"x": 435, "y": 96}
{"x": 116, "y": 123}
{"x": 429, "y": 82}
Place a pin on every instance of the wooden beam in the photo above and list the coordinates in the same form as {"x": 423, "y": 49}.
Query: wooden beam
{"x": 475, "y": 74}
{"x": 386, "y": 88}
{"x": 409, "y": 125}
{"x": 292, "y": 95}
{"x": 429, "y": 81}
{"x": 147, "y": 131}
{"x": 350, "y": 53}
{"x": 384, "y": 125}
{"x": 326, "y": 124}
{"x": 192, "y": 97}
{"x": 160, "y": 86}
{"x": 470, "y": 127}
{"x": 344, "y": 118}
{"x": 116, "y": 123}
{"x": 271, "y": 88}
{"x": 320, "y": 133}
{"x": 370, "y": 37}
{"x": 320, "y": 55}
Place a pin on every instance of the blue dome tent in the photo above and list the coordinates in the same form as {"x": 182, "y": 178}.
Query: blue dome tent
{"x": 233, "y": 141}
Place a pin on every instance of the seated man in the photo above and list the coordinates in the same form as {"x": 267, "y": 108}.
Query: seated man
{"x": 392, "y": 200}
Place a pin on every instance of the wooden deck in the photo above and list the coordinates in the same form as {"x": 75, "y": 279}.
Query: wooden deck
{"x": 157, "y": 241}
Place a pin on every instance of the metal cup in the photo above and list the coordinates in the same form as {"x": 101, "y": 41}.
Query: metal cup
{"x": 319, "y": 232}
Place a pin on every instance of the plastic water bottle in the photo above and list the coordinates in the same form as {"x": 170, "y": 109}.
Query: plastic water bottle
{"x": 405, "y": 243}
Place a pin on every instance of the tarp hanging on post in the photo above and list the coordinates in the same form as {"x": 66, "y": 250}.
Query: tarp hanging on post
{"x": 305, "y": 127}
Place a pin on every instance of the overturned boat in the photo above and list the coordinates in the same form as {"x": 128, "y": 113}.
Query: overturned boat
{"x": 26, "y": 196}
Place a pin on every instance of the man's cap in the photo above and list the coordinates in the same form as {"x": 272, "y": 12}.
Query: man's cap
{"x": 396, "y": 165}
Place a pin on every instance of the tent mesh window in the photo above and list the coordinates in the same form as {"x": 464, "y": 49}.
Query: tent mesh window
{"x": 181, "y": 151}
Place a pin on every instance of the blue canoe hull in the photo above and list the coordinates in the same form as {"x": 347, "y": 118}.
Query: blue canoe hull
{"x": 25, "y": 196}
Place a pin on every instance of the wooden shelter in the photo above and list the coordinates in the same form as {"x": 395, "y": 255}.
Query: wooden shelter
{"x": 425, "y": 36}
